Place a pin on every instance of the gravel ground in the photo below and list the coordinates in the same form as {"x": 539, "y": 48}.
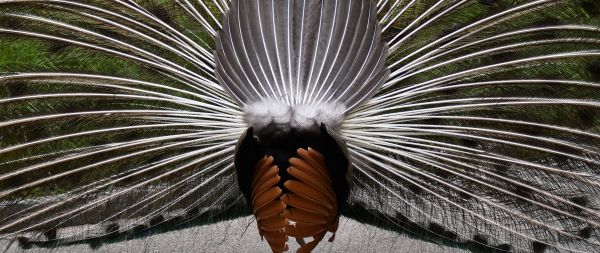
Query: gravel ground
{"x": 240, "y": 235}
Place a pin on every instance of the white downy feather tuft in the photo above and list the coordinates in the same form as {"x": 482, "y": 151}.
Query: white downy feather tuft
{"x": 278, "y": 117}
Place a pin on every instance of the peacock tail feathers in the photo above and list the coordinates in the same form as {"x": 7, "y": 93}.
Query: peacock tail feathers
{"x": 116, "y": 117}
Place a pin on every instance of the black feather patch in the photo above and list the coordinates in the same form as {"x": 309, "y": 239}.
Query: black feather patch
{"x": 392, "y": 31}
{"x": 433, "y": 121}
{"x": 112, "y": 229}
{"x": 57, "y": 47}
{"x": 24, "y": 242}
{"x": 95, "y": 243}
{"x": 450, "y": 30}
{"x": 247, "y": 152}
{"x": 465, "y": 196}
{"x": 480, "y": 239}
{"x": 156, "y": 220}
{"x": 192, "y": 213}
{"x": 581, "y": 201}
{"x": 436, "y": 228}
{"x": 504, "y": 247}
{"x": 522, "y": 191}
{"x": 504, "y": 57}
{"x": 174, "y": 221}
{"x": 469, "y": 143}
{"x": 415, "y": 189}
{"x": 587, "y": 116}
{"x": 586, "y": 232}
{"x": 138, "y": 229}
{"x": 489, "y": 2}
{"x": 441, "y": 231}
{"x": 401, "y": 218}
{"x": 500, "y": 169}
{"x": 539, "y": 247}
{"x": 161, "y": 13}
{"x": 594, "y": 69}
{"x": 11, "y": 23}
{"x": 15, "y": 182}
{"x": 450, "y": 235}
{"x": 549, "y": 21}
{"x": 50, "y": 234}
{"x": 15, "y": 89}
{"x": 443, "y": 173}
{"x": 592, "y": 7}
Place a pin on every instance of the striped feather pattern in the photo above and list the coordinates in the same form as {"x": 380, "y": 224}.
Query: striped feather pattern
{"x": 120, "y": 117}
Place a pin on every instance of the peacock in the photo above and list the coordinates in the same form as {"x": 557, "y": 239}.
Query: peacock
{"x": 472, "y": 122}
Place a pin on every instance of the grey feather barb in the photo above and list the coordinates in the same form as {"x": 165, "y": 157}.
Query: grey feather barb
{"x": 469, "y": 123}
{"x": 298, "y": 64}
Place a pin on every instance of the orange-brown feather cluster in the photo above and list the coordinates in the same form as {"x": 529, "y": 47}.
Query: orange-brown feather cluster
{"x": 307, "y": 209}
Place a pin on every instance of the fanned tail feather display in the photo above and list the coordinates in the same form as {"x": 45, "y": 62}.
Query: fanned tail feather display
{"x": 467, "y": 122}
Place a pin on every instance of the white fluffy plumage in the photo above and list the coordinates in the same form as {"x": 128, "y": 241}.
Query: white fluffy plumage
{"x": 279, "y": 117}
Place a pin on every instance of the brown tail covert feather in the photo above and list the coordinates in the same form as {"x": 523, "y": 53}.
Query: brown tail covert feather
{"x": 305, "y": 207}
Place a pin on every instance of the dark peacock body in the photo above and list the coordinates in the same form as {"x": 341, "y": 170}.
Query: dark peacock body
{"x": 474, "y": 122}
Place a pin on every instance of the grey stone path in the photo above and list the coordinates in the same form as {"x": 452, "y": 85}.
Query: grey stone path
{"x": 240, "y": 235}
